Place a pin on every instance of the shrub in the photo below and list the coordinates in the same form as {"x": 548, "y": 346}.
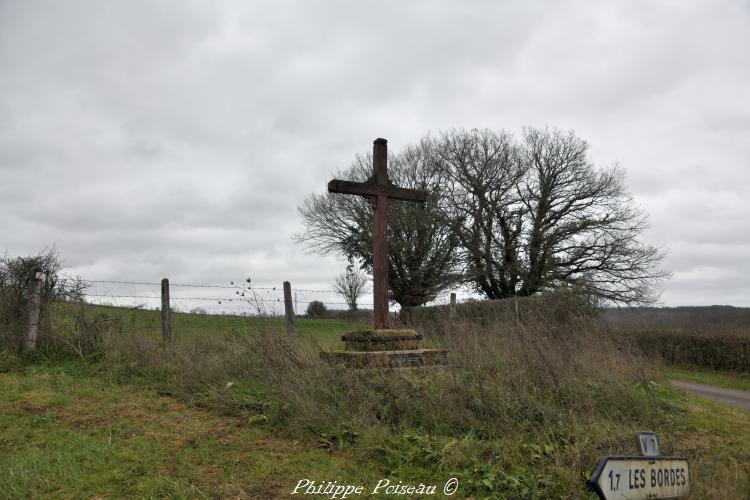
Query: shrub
{"x": 559, "y": 306}
{"x": 540, "y": 372}
{"x": 17, "y": 276}
{"x": 536, "y": 379}
{"x": 525, "y": 375}
{"x": 316, "y": 309}
{"x": 717, "y": 352}
{"x": 716, "y": 337}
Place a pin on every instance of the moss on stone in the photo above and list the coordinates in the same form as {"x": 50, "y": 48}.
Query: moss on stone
{"x": 382, "y": 333}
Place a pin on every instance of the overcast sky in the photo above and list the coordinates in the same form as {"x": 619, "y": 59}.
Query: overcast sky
{"x": 152, "y": 139}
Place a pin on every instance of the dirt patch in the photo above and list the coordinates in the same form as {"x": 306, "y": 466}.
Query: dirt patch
{"x": 256, "y": 491}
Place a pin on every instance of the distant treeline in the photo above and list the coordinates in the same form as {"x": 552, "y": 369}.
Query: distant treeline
{"x": 559, "y": 307}
{"x": 707, "y": 320}
{"x": 716, "y": 337}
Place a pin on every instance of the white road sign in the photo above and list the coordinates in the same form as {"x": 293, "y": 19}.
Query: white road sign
{"x": 648, "y": 443}
{"x": 627, "y": 478}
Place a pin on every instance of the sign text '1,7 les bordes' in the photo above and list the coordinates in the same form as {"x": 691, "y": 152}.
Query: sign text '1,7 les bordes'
{"x": 645, "y": 477}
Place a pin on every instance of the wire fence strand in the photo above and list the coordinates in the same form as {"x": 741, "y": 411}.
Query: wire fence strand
{"x": 247, "y": 298}
{"x": 246, "y": 295}
{"x": 231, "y": 286}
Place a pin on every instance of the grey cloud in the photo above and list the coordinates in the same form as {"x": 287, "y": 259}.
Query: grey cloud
{"x": 178, "y": 138}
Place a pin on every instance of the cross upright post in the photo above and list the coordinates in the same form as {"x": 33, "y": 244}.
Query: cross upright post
{"x": 380, "y": 238}
{"x": 380, "y": 191}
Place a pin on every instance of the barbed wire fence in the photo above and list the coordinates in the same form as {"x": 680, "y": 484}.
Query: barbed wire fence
{"x": 233, "y": 299}
{"x": 196, "y": 306}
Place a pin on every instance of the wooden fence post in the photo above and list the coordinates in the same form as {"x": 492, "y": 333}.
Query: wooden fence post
{"x": 289, "y": 310}
{"x": 35, "y": 304}
{"x": 452, "y": 310}
{"x": 165, "y": 310}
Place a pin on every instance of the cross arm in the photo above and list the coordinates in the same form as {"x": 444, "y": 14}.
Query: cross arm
{"x": 373, "y": 189}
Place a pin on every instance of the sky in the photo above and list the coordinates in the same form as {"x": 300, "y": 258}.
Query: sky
{"x": 176, "y": 139}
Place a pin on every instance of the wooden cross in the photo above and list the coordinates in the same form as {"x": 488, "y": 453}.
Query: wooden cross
{"x": 380, "y": 191}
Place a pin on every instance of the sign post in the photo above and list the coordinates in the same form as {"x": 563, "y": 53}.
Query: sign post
{"x": 641, "y": 477}
{"x": 648, "y": 442}
{"x": 645, "y": 477}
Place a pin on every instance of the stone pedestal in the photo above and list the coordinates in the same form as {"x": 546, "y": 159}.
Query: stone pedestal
{"x": 385, "y": 349}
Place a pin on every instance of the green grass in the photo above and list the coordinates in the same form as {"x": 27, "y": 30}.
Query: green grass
{"x": 326, "y": 332}
{"x": 217, "y": 415}
{"x": 730, "y": 380}
{"x": 716, "y": 440}
{"x": 67, "y": 432}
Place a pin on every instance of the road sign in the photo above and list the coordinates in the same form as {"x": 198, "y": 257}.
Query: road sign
{"x": 627, "y": 478}
{"x": 649, "y": 443}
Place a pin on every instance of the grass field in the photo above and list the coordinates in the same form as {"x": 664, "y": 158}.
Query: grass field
{"x": 67, "y": 432}
{"x": 230, "y": 410}
{"x": 327, "y": 332}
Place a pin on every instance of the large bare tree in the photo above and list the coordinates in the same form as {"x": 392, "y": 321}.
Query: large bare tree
{"x": 480, "y": 171}
{"x": 422, "y": 256}
{"x": 535, "y": 215}
{"x": 515, "y": 216}
{"x": 582, "y": 226}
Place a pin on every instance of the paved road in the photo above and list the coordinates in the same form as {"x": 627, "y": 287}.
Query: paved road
{"x": 732, "y": 397}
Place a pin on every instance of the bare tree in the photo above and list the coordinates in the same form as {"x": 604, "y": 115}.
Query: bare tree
{"x": 582, "y": 228}
{"x": 351, "y": 285}
{"x": 509, "y": 217}
{"x": 481, "y": 170}
{"x": 537, "y": 215}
